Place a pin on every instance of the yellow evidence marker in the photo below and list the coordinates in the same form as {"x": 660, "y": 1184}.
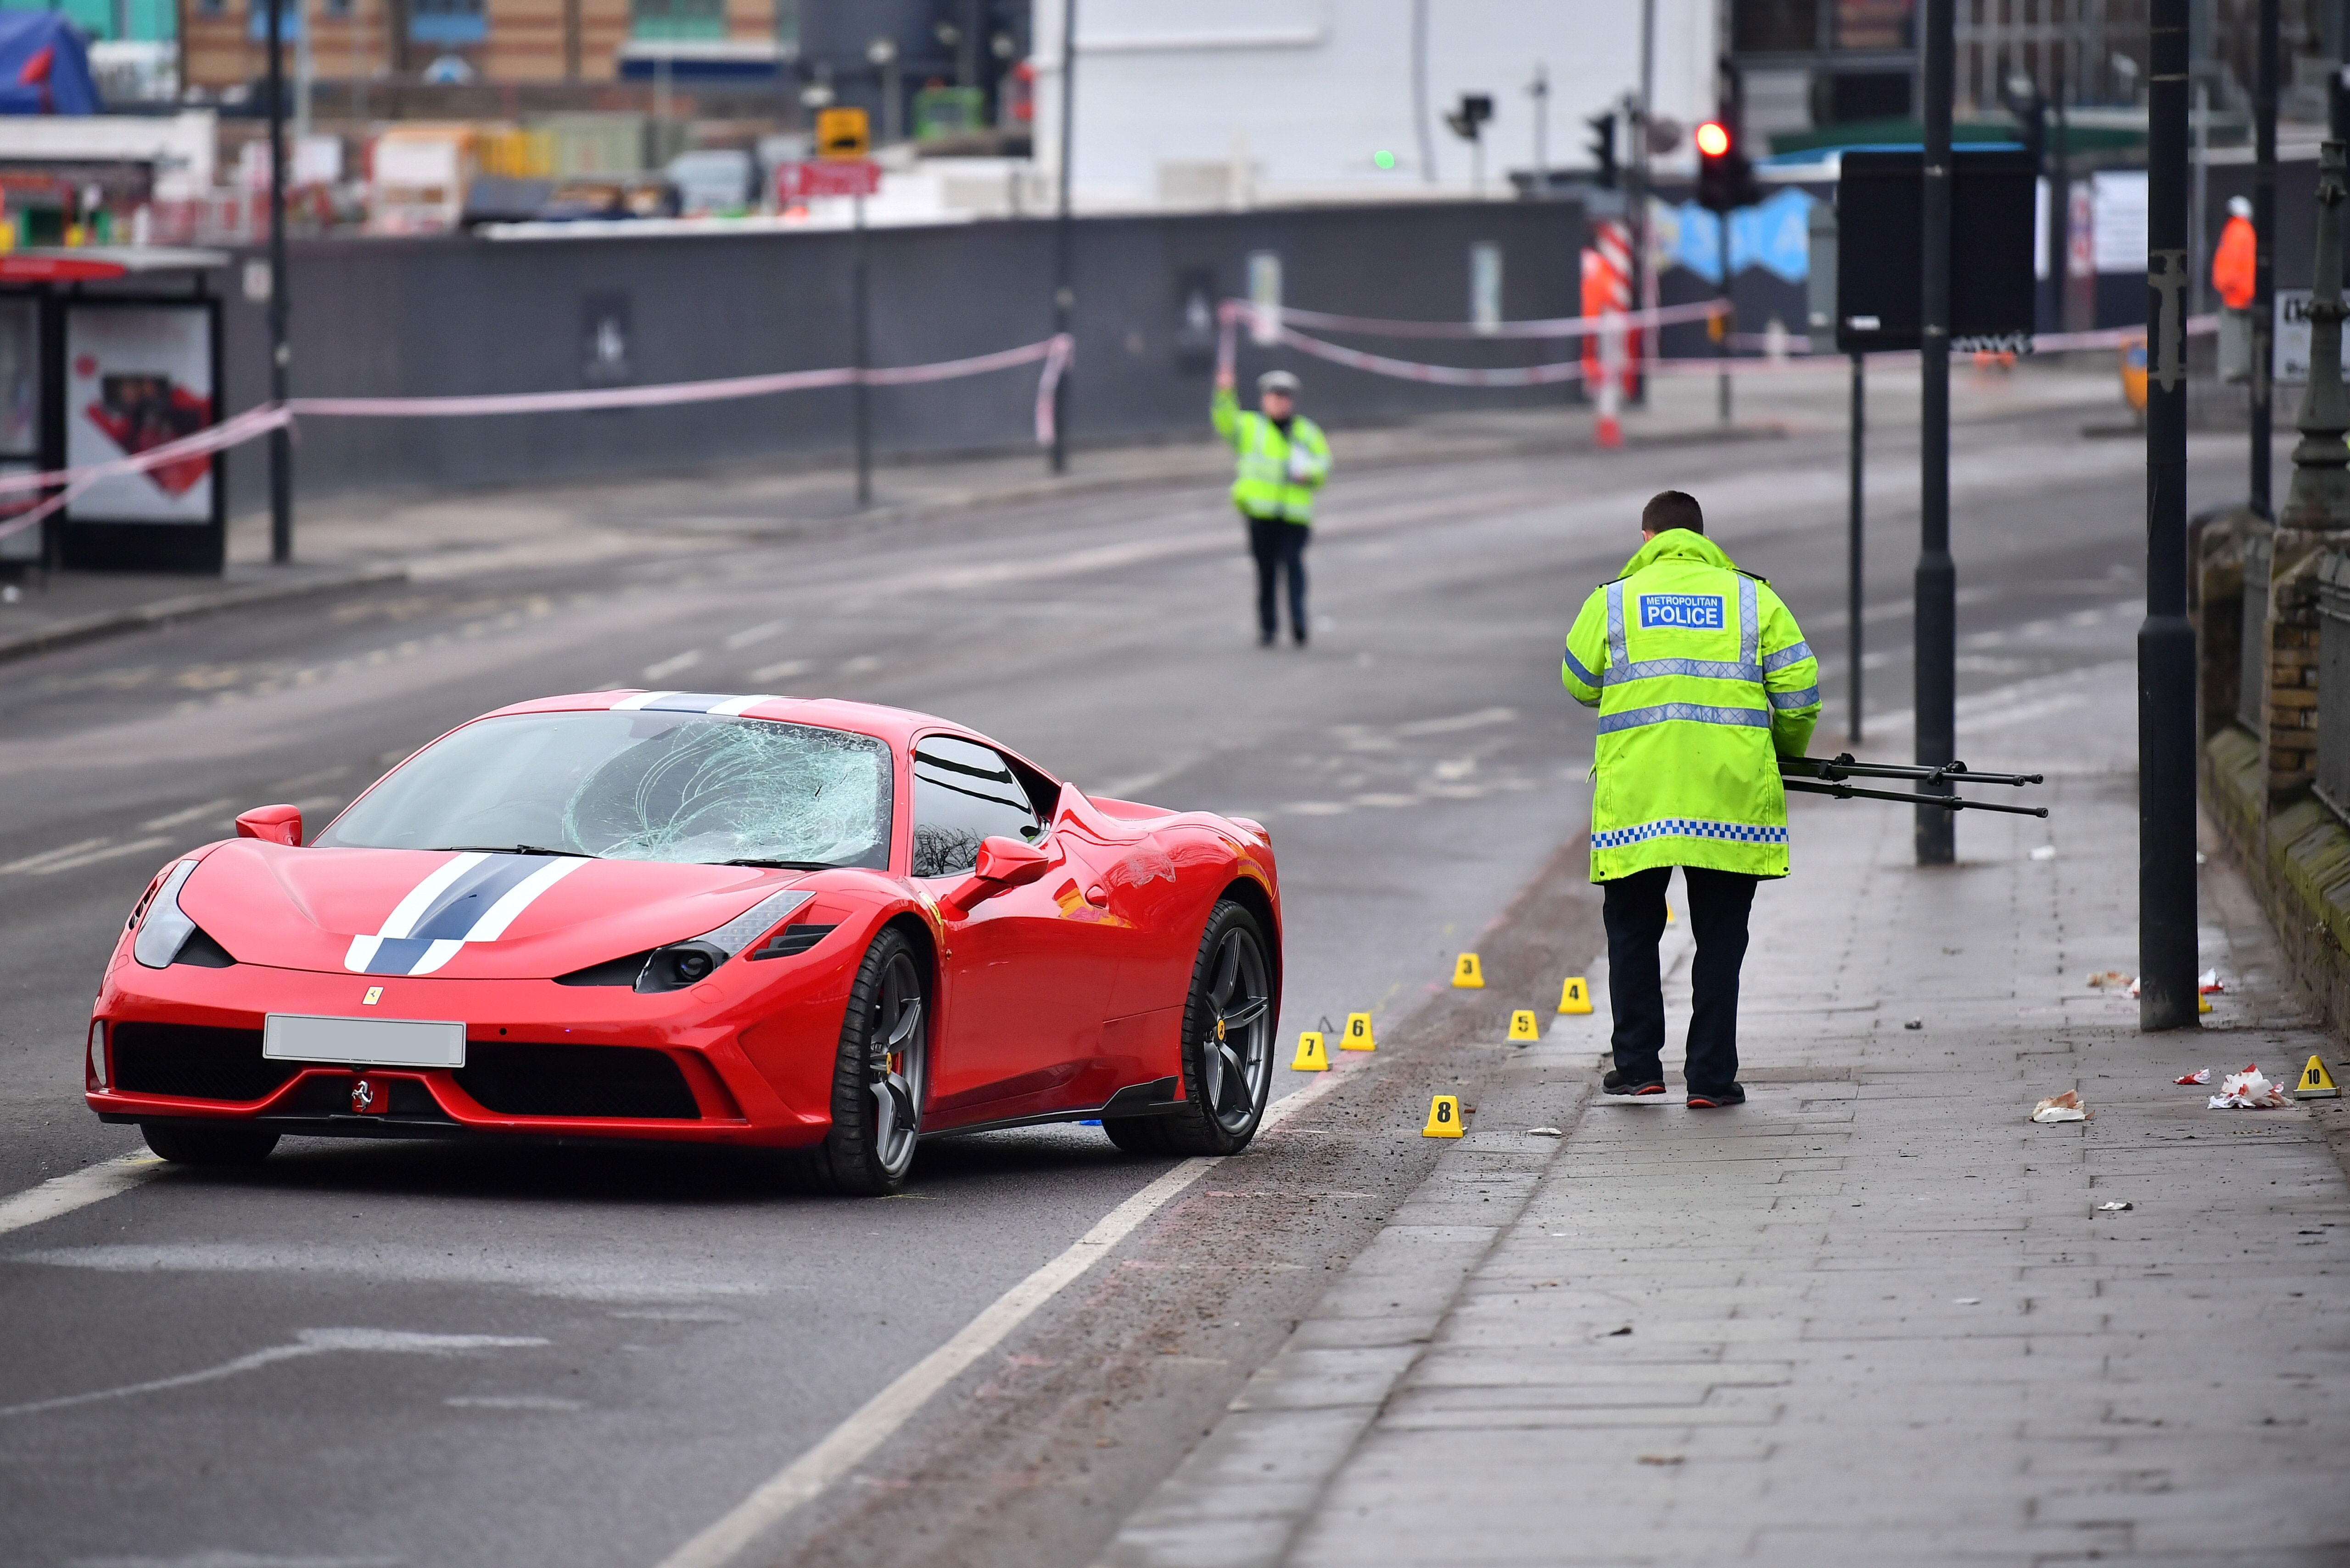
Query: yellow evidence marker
{"x": 2316, "y": 1083}
{"x": 1311, "y": 1057}
{"x": 1522, "y": 1025}
{"x": 1576, "y": 996}
{"x": 2202, "y": 1004}
{"x": 1466, "y": 973}
{"x": 1358, "y": 1033}
{"x": 1443, "y": 1117}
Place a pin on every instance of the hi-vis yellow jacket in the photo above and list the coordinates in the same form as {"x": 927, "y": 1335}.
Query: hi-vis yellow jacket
{"x": 1267, "y": 486}
{"x": 1703, "y": 682}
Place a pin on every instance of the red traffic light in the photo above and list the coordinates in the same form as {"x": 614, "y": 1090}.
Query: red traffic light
{"x": 1712, "y": 139}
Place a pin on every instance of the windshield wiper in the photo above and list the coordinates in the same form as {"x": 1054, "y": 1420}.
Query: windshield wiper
{"x": 516, "y": 849}
{"x": 777, "y": 865}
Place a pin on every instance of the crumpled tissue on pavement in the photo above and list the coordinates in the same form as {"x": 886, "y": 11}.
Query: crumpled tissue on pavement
{"x": 2063, "y": 1107}
{"x": 2249, "y": 1091}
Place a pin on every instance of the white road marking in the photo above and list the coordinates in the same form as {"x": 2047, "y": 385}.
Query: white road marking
{"x": 214, "y": 1558}
{"x": 563, "y": 1275}
{"x": 672, "y": 665}
{"x": 1453, "y": 721}
{"x": 847, "y": 1444}
{"x": 784, "y": 671}
{"x": 73, "y": 857}
{"x": 307, "y": 1342}
{"x": 751, "y": 634}
{"x": 178, "y": 818}
{"x": 65, "y": 1194}
{"x": 513, "y": 1402}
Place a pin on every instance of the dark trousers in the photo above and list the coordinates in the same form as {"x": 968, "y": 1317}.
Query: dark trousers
{"x": 1635, "y": 916}
{"x": 1278, "y": 546}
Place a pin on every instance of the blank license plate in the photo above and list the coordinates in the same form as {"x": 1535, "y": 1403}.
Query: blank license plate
{"x": 362, "y": 1042}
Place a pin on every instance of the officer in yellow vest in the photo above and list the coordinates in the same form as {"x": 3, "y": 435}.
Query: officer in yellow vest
{"x": 1284, "y": 459}
{"x": 1702, "y": 681}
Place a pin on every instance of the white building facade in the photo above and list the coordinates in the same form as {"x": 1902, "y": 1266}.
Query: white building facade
{"x": 1235, "y": 102}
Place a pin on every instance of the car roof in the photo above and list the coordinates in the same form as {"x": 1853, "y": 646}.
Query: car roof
{"x": 896, "y": 725}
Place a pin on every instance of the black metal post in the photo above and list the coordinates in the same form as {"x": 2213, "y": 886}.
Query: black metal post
{"x": 1065, "y": 294}
{"x": 2265, "y": 118}
{"x": 1854, "y": 548}
{"x": 860, "y": 328}
{"x": 2166, "y": 642}
{"x": 281, "y": 354}
{"x": 1936, "y": 627}
{"x": 1727, "y": 320}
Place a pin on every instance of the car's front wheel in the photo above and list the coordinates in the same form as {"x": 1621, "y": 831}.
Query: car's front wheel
{"x": 184, "y": 1144}
{"x": 1228, "y": 1027}
{"x": 880, "y": 1075}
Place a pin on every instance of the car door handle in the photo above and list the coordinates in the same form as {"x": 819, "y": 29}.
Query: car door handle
{"x": 1097, "y": 896}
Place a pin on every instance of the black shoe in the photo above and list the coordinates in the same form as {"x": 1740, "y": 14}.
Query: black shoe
{"x": 1264, "y": 639}
{"x": 1714, "y": 1099}
{"x": 1615, "y": 1082}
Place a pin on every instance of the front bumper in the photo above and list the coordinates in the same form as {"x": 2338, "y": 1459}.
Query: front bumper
{"x": 714, "y": 1065}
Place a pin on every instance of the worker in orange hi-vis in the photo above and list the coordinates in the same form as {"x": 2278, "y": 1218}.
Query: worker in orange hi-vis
{"x": 2231, "y": 263}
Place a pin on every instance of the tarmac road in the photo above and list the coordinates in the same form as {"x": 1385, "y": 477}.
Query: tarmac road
{"x": 418, "y": 1354}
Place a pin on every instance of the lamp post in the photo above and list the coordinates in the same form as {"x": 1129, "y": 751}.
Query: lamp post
{"x": 1065, "y": 294}
{"x": 1936, "y": 625}
{"x": 281, "y": 443}
{"x": 2264, "y": 121}
{"x": 2166, "y": 640}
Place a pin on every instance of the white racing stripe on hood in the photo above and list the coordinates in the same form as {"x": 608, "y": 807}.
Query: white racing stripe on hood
{"x": 500, "y": 915}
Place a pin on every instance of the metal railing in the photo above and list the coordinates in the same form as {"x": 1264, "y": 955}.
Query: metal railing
{"x": 2334, "y": 682}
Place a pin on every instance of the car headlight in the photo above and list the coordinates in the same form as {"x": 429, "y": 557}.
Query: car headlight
{"x": 682, "y": 964}
{"x": 166, "y": 928}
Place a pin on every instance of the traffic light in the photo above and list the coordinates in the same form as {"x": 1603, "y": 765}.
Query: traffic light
{"x": 1724, "y": 178}
{"x": 1468, "y": 120}
{"x": 1603, "y": 147}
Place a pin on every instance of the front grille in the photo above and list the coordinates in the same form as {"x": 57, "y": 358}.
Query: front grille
{"x": 192, "y": 1062}
{"x": 616, "y": 1081}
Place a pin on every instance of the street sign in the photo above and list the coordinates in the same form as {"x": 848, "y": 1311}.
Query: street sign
{"x": 842, "y": 133}
{"x": 1879, "y": 210}
{"x": 799, "y": 181}
{"x": 2293, "y": 339}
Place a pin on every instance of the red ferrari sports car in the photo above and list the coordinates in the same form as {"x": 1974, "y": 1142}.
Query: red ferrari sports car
{"x": 822, "y": 927}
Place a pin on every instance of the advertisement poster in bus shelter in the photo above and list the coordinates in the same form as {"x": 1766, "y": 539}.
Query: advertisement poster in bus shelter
{"x": 139, "y": 376}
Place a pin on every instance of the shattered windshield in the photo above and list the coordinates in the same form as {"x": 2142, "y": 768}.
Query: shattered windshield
{"x": 637, "y": 786}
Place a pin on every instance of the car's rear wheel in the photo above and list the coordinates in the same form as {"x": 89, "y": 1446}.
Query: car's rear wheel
{"x": 184, "y": 1144}
{"x": 880, "y": 1075}
{"x": 1228, "y": 1027}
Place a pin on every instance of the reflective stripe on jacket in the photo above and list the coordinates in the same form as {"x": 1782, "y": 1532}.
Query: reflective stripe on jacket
{"x": 1262, "y": 486}
{"x": 1703, "y": 682}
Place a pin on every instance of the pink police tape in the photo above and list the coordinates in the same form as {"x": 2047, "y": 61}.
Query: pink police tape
{"x": 1057, "y": 352}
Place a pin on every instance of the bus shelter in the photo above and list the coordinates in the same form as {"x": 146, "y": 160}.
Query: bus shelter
{"x": 106, "y": 353}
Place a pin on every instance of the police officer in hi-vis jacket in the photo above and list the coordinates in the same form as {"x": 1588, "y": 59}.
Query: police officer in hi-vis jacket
{"x": 1282, "y": 461}
{"x": 1703, "y": 682}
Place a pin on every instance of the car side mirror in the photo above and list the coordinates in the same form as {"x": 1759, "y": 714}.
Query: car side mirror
{"x": 1008, "y": 863}
{"x": 271, "y": 824}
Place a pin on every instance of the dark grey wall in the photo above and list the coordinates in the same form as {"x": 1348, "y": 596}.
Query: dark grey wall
{"x": 415, "y": 317}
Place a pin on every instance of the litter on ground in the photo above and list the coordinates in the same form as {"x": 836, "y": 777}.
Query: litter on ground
{"x": 2114, "y": 1208}
{"x": 2063, "y": 1107}
{"x": 2248, "y": 1091}
{"x": 1913, "y": 1023}
{"x": 2200, "y": 1076}
{"x": 2112, "y": 980}
{"x": 1545, "y": 1132}
{"x": 2208, "y": 982}
{"x": 2043, "y": 852}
